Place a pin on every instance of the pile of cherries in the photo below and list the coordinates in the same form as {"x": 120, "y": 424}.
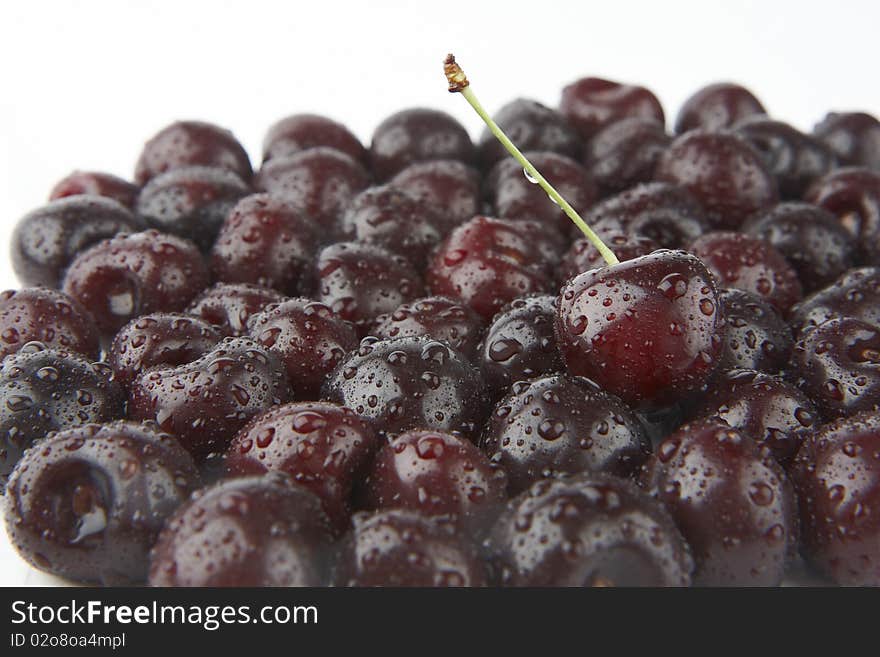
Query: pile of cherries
{"x": 401, "y": 365}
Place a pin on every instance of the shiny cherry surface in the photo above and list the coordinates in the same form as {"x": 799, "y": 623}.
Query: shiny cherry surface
{"x": 95, "y": 183}
{"x": 855, "y": 294}
{"x": 231, "y": 306}
{"x": 591, "y": 103}
{"x": 451, "y": 187}
{"x": 853, "y": 136}
{"x": 755, "y": 335}
{"x": 625, "y": 153}
{"x": 717, "y": 106}
{"x": 301, "y": 132}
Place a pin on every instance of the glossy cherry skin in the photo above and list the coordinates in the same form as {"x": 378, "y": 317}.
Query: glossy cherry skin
{"x": 301, "y": 132}
{"x": 591, "y": 103}
{"x": 231, "y": 306}
{"x": 648, "y": 330}
{"x": 487, "y": 263}
{"x": 717, "y": 106}
{"x": 838, "y": 364}
{"x": 248, "y": 531}
{"x": 44, "y": 390}
{"x": 750, "y": 264}
{"x": 755, "y": 335}
{"x": 416, "y": 135}
{"x": 88, "y": 503}
{"x": 266, "y": 241}
{"x": 46, "y": 240}
{"x": 811, "y": 239}
{"x": 591, "y": 529}
{"x": 308, "y": 338}
{"x": 773, "y": 413}
{"x": 532, "y": 127}
{"x": 360, "y": 281}
{"x": 730, "y": 499}
{"x": 95, "y": 183}
{"x": 46, "y": 316}
{"x": 401, "y": 547}
{"x": 132, "y": 275}
{"x": 723, "y": 172}
{"x": 625, "y": 153}
{"x": 837, "y": 476}
{"x": 583, "y": 256}
{"x": 855, "y": 294}
{"x": 207, "y": 401}
{"x": 437, "y": 474}
{"x": 409, "y": 383}
{"x": 323, "y": 447}
{"x": 438, "y": 318}
{"x": 562, "y": 425}
{"x": 321, "y": 181}
{"x": 793, "y": 158}
{"x": 853, "y": 136}
{"x": 160, "y": 339}
{"x": 451, "y": 187}
{"x": 191, "y": 202}
{"x": 188, "y": 143}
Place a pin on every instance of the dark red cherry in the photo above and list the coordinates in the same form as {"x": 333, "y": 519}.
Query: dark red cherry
{"x": 648, "y": 330}
{"x": 95, "y": 183}
{"x": 231, "y": 306}
{"x": 756, "y": 336}
{"x": 591, "y": 103}
{"x": 732, "y": 502}
{"x": 750, "y": 264}
{"x": 437, "y": 318}
{"x": 360, "y": 281}
{"x": 838, "y": 364}
{"x": 132, "y": 275}
{"x": 487, "y": 263}
{"x": 46, "y": 240}
{"x": 853, "y": 136}
{"x": 301, "y": 132}
{"x": 308, "y": 338}
{"x": 416, "y": 135}
{"x": 207, "y": 401}
{"x": 592, "y": 529}
{"x": 723, "y": 172}
{"x": 409, "y": 383}
{"x": 401, "y": 547}
{"x": 717, "y": 106}
{"x": 583, "y": 256}
{"x": 322, "y": 446}
{"x": 625, "y": 153}
{"x": 46, "y": 316}
{"x": 451, "y": 187}
{"x": 562, "y": 425}
{"x": 89, "y": 502}
{"x": 815, "y": 244}
{"x": 249, "y": 531}
{"x": 187, "y": 143}
{"x": 266, "y": 241}
{"x": 160, "y": 339}
{"x": 438, "y": 474}
{"x": 837, "y": 476}
{"x": 855, "y": 294}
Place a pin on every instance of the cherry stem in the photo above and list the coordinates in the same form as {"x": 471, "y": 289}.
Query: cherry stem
{"x": 458, "y": 83}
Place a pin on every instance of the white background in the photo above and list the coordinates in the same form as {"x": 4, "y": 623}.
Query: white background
{"x": 83, "y": 84}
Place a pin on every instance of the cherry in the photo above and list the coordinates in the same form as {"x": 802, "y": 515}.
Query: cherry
{"x": 647, "y": 330}
{"x": 206, "y": 401}
{"x": 837, "y": 476}
{"x": 409, "y": 383}
{"x": 308, "y": 338}
{"x": 731, "y": 501}
{"x": 416, "y": 135}
{"x": 562, "y": 424}
{"x": 89, "y": 502}
{"x": 400, "y": 547}
{"x": 231, "y": 306}
{"x": 750, "y": 264}
{"x": 46, "y": 240}
{"x": 717, "y": 106}
{"x": 451, "y": 187}
{"x": 756, "y": 336}
{"x": 322, "y": 446}
{"x": 250, "y": 531}
{"x": 625, "y": 153}
{"x": 591, "y": 103}
{"x": 853, "y": 136}
{"x": 301, "y": 132}
{"x": 583, "y": 256}
{"x": 96, "y": 183}
{"x": 187, "y": 143}
{"x": 723, "y": 172}
{"x": 265, "y": 241}
{"x": 46, "y": 316}
{"x": 855, "y": 294}
{"x": 592, "y": 529}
